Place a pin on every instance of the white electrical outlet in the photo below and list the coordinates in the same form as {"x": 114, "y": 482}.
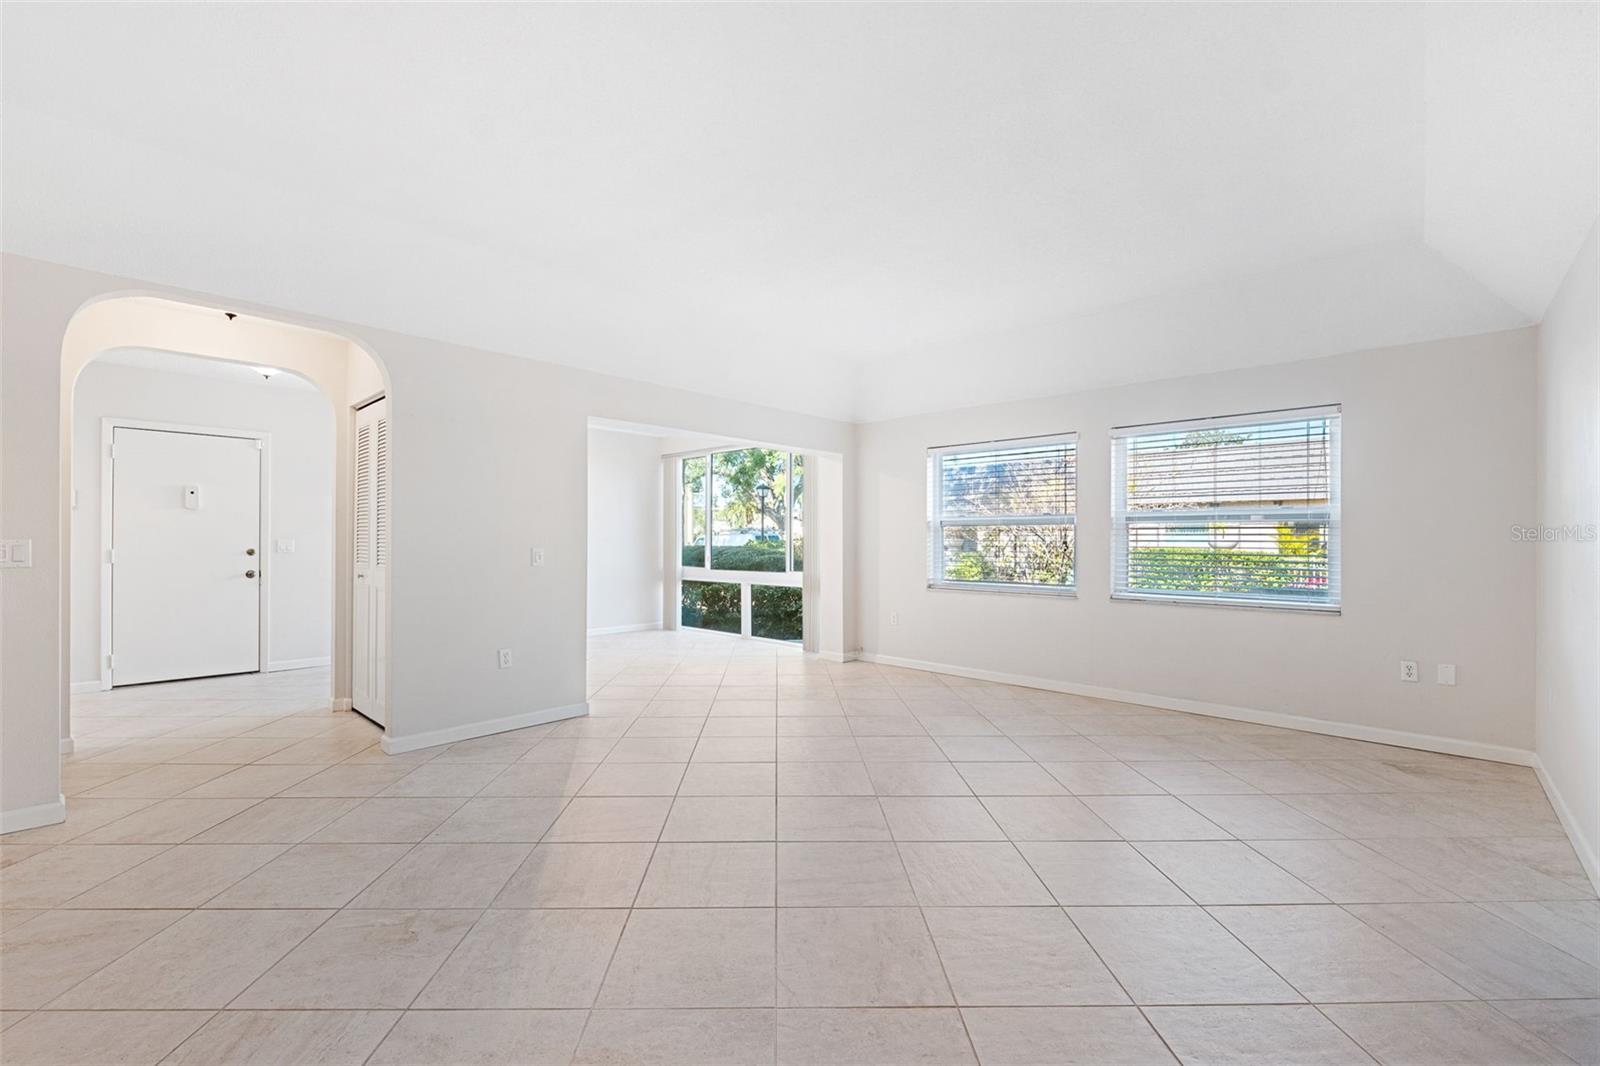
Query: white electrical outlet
{"x": 1446, "y": 674}
{"x": 1408, "y": 670}
{"x": 505, "y": 658}
{"x": 894, "y": 618}
{"x": 535, "y": 556}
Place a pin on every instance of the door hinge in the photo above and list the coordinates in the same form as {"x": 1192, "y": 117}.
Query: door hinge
{"x": 113, "y": 451}
{"x": 111, "y": 556}
{"x": 111, "y": 662}
{"x": 261, "y": 445}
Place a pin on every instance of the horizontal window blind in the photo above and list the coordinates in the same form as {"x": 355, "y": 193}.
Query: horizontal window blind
{"x": 1002, "y": 514}
{"x": 1241, "y": 510}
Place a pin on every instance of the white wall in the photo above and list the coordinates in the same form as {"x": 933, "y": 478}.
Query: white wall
{"x": 301, "y": 423}
{"x": 625, "y": 524}
{"x": 1437, "y": 453}
{"x": 1568, "y": 568}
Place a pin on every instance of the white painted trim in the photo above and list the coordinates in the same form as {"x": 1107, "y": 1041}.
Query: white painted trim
{"x": 841, "y": 657}
{"x": 340, "y": 704}
{"x": 1471, "y": 749}
{"x": 298, "y": 664}
{"x": 68, "y": 745}
{"x": 637, "y": 627}
{"x": 80, "y": 687}
{"x": 1586, "y": 854}
{"x": 393, "y": 745}
{"x": 109, "y": 424}
{"x": 33, "y": 817}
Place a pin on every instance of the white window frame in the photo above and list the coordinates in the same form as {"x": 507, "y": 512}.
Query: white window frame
{"x": 937, "y": 521}
{"x": 789, "y": 577}
{"x": 1120, "y": 514}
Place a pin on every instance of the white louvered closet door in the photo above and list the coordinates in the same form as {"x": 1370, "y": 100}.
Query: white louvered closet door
{"x": 369, "y": 643}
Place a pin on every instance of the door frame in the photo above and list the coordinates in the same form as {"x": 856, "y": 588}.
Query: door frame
{"x": 109, "y": 424}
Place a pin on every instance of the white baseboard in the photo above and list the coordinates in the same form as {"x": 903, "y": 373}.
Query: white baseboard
{"x": 34, "y": 817}
{"x": 837, "y": 656}
{"x": 80, "y": 687}
{"x": 296, "y": 664}
{"x": 1471, "y": 749}
{"x": 340, "y": 705}
{"x": 67, "y": 746}
{"x": 637, "y": 627}
{"x": 400, "y": 745}
{"x": 1586, "y": 853}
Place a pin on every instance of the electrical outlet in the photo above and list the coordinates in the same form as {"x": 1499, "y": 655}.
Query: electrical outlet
{"x": 1408, "y": 670}
{"x": 535, "y": 556}
{"x": 894, "y": 618}
{"x": 1446, "y": 674}
{"x": 505, "y": 658}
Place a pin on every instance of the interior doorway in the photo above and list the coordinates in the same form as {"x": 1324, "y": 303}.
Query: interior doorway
{"x": 183, "y": 514}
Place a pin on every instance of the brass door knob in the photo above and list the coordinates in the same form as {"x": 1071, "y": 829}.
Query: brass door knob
{"x": 249, "y": 573}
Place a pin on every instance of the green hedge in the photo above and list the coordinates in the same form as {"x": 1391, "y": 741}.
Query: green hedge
{"x": 1224, "y": 570}
{"x": 766, "y": 557}
{"x": 712, "y": 605}
{"x": 775, "y": 612}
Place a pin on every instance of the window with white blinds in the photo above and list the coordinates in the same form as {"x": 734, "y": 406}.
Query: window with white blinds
{"x": 1241, "y": 511}
{"x": 1002, "y": 514}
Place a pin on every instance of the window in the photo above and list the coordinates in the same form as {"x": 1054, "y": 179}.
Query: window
{"x": 741, "y": 542}
{"x": 1241, "y": 510}
{"x": 1001, "y": 515}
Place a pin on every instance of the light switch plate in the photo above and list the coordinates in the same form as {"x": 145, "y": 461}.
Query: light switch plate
{"x": 1447, "y": 673}
{"x": 16, "y": 553}
{"x": 535, "y": 556}
{"x": 285, "y": 546}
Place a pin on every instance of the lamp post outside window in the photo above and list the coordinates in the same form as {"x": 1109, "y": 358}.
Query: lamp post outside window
{"x": 763, "y": 490}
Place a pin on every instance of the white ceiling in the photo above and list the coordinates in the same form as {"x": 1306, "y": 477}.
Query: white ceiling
{"x": 854, "y": 210}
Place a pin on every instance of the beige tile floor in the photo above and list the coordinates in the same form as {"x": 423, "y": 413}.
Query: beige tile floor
{"x": 744, "y": 856}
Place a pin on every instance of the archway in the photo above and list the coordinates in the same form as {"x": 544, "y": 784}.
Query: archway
{"x": 346, "y": 374}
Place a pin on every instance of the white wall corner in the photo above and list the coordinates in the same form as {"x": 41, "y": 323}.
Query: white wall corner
{"x": 1470, "y": 749}
{"x": 80, "y": 687}
{"x": 34, "y": 817}
{"x": 1585, "y": 851}
{"x": 392, "y": 745}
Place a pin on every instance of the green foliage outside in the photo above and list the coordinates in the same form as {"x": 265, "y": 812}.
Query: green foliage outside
{"x": 1227, "y": 570}
{"x": 1011, "y": 554}
{"x": 736, "y": 475}
{"x": 765, "y": 557}
{"x": 775, "y": 612}
{"x": 711, "y": 605}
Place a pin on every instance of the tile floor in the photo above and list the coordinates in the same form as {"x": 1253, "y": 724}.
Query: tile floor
{"x": 743, "y": 856}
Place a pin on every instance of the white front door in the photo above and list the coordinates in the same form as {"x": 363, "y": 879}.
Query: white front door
{"x": 185, "y": 555}
{"x": 369, "y": 637}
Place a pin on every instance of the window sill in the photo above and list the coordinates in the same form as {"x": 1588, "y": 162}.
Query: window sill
{"x": 1237, "y": 605}
{"x": 1005, "y": 590}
